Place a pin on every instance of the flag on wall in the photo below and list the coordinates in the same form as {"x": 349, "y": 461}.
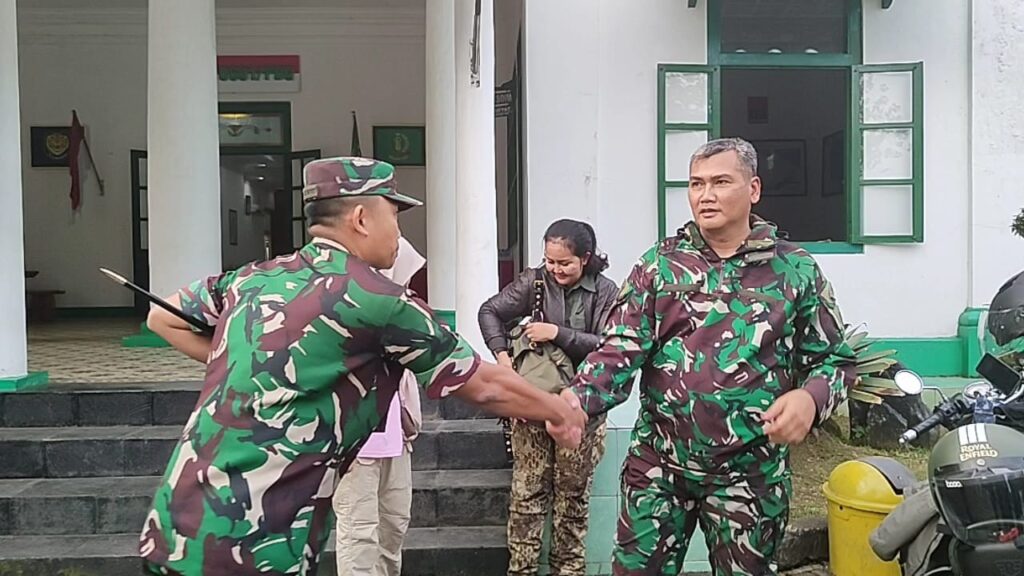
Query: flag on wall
{"x": 80, "y": 162}
{"x": 356, "y": 149}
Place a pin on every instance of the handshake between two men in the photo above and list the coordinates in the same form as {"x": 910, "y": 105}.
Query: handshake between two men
{"x": 502, "y": 392}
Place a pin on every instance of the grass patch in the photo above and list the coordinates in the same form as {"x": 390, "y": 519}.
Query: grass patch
{"x": 814, "y": 459}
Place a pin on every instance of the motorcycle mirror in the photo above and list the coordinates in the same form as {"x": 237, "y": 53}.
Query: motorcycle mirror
{"x": 908, "y": 382}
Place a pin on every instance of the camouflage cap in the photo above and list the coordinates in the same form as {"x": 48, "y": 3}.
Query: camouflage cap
{"x": 351, "y": 177}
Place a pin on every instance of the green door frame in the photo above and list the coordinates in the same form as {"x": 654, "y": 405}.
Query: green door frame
{"x": 140, "y": 257}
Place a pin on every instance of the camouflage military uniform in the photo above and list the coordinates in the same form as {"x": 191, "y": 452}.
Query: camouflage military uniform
{"x": 308, "y": 352}
{"x": 718, "y": 341}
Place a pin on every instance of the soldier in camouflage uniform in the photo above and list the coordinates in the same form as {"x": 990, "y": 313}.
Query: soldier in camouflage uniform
{"x": 741, "y": 350}
{"x": 307, "y": 354}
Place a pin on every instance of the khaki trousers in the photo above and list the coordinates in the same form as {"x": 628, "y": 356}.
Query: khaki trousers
{"x": 372, "y": 505}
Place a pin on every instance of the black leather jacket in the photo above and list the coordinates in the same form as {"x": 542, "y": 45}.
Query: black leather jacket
{"x": 500, "y": 312}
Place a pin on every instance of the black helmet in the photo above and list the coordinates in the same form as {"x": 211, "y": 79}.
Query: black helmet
{"x": 977, "y": 479}
{"x": 1006, "y": 313}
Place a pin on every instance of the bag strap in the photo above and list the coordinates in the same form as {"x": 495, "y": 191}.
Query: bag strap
{"x": 538, "y": 295}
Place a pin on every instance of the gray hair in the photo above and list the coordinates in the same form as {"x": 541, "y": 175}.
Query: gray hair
{"x": 744, "y": 150}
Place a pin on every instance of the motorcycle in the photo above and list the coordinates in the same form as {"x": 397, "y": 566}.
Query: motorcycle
{"x": 968, "y": 518}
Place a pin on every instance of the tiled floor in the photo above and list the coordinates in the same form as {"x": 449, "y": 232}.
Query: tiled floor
{"x": 84, "y": 351}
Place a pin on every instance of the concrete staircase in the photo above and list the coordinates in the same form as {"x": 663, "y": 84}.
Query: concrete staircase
{"x": 79, "y": 465}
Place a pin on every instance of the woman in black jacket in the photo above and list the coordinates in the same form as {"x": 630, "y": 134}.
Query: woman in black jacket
{"x": 576, "y": 301}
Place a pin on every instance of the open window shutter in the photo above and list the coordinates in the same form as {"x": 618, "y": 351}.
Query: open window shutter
{"x": 887, "y": 164}
{"x": 687, "y": 118}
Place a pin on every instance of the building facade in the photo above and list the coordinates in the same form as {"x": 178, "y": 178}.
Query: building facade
{"x": 889, "y": 136}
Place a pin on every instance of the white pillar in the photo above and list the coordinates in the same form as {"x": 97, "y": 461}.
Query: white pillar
{"x": 183, "y": 157}
{"x": 476, "y": 269}
{"x": 997, "y": 144}
{"x": 13, "y": 348}
{"x": 441, "y": 162}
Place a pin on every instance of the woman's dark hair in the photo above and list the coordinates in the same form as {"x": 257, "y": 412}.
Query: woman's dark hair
{"x": 580, "y": 239}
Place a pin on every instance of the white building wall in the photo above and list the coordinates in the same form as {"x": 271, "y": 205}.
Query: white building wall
{"x": 368, "y": 59}
{"x": 997, "y": 152}
{"x": 894, "y": 290}
{"x": 919, "y": 290}
{"x": 633, "y": 43}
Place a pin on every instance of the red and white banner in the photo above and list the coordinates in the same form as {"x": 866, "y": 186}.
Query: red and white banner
{"x": 248, "y": 74}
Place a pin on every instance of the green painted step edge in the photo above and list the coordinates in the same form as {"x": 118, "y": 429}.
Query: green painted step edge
{"x": 29, "y": 381}
{"x": 945, "y": 356}
{"x": 146, "y": 338}
{"x": 967, "y": 330}
{"x": 926, "y": 356}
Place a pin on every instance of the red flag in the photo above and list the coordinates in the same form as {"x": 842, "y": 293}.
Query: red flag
{"x": 77, "y": 136}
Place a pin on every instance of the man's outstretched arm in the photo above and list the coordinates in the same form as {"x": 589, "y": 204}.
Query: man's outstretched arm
{"x": 177, "y": 332}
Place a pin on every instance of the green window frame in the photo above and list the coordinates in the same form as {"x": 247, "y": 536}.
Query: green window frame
{"x": 862, "y": 228}
{"x": 912, "y": 126}
{"x": 709, "y": 124}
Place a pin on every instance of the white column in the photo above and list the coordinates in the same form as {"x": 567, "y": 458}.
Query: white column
{"x": 13, "y": 348}
{"x": 183, "y": 157}
{"x": 476, "y": 268}
{"x": 441, "y": 162}
{"x": 562, "y": 127}
{"x": 997, "y": 144}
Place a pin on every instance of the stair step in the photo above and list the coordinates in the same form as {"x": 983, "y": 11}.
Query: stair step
{"x": 461, "y": 551}
{"x": 146, "y": 404}
{"x": 88, "y": 451}
{"x": 109, "y": 404}
{"x": 56, "y": 506}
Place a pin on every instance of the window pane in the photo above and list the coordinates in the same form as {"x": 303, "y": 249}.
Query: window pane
{"x": 677, "y": 209}
{"x": 888, "y": 97}
{"x": 888, "y": 154}
{"x": 686, "y": 98}
{"x": 256, "y": 129}
{"x": 801, "y": 141}
{"x": 143, "y": 172}
{"x": 783, "y": 26}
{"x": 144, "y": 235}
{"x": 297, "y": 172}
{"x": 888, "y": 210}
{"x": 298, "y": 233}
{"x": 296, "y": 203}
{"x": 679, "y": 146}
{"x": 143, "y": 203}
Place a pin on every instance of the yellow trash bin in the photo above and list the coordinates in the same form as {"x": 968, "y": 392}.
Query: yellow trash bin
{"x": 860, "y": 493}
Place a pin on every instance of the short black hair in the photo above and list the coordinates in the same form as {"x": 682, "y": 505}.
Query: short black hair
{"x": 327, "y": 211}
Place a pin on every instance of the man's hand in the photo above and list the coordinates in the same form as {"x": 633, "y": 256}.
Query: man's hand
{"x": 503, "y": 359}
{"x": 569, "y": 433}
{"x": 540, "y": 331}
{"x": 789, "y": 419}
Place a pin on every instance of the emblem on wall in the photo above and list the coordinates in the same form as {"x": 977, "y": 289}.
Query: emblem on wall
{"x": 50, "y": 145}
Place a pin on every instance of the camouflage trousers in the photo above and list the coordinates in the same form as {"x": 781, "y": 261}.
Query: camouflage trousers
{"x": 743, "y": 523}
{"x": 548, "y": 478}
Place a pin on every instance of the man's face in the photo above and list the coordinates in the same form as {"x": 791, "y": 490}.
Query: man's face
{"x": 380, "y": 225}
{"x": 722, "y": 192}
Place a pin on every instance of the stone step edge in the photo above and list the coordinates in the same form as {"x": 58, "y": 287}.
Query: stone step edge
{"x": 129, "y": 486}
{"x": 172, "y": 432}
{"x": 126, "y": 545}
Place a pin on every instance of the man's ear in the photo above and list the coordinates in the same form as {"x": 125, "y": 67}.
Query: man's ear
{"x": 358, "y": 216}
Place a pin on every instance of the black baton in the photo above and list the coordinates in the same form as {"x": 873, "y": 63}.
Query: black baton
{"x": 199, "y": 324}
